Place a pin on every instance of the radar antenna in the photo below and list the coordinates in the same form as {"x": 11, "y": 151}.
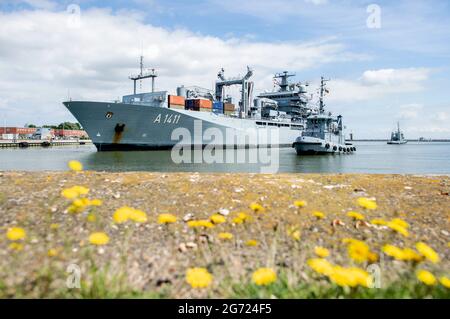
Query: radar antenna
{"x": 151, "y": 73}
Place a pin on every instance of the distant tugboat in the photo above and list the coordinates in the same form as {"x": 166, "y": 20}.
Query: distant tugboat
{"x": 324, "y": 133}
{"x": 397, "y": 137}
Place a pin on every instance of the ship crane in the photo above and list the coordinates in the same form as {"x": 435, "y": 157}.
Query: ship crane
{"x": 246, "y": 89}
{"x": 151, "y": 73}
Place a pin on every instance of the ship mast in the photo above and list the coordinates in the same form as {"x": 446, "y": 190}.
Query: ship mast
{"x": 144, "y": 75}
{"x": 284, "y": 85}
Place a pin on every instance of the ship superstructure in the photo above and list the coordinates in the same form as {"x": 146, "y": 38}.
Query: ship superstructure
{"x": 149, "y": 120}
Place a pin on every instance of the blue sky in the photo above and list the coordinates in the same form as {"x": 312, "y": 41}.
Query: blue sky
{"x": 379, "y": 75}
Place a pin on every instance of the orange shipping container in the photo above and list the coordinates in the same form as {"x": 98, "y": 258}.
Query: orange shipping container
{"x": 177, "y": 100}
{"x": 205, "y": 104}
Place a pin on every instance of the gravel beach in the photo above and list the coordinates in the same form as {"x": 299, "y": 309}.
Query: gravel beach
{"x": 150, "y": 259}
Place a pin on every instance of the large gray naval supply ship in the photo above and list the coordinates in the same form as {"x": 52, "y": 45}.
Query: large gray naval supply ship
{"x": 149, "y": 121}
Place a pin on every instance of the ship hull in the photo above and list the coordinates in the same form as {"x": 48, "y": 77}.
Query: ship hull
{"x": 127, "y": 127}
{"x": 397, "y": 142}
{"x": 316, "y": 146}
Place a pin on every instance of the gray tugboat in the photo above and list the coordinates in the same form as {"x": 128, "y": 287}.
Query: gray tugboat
{"x": 397, "y": 137}
{"x": 324, "y": 133}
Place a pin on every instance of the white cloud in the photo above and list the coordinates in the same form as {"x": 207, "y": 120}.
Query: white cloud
{"x": 375, "y": 84}
{"x": 395, "y": 76}
{"x": 410, "y": 111}
{"x": 42, "y": 56}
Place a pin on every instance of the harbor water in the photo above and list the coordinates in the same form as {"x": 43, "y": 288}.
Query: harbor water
{"x": 370, "y": 157}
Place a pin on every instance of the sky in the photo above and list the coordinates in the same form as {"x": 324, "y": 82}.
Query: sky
{"x": 388, "y": 61}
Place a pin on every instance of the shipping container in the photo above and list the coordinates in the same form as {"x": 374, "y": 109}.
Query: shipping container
{"x": 190, "y": 105}
{"x": 176, "y": 100}
{"x": 197, "y": 104}
{"x": 228, "y": 107}
{"x": 206, "y": 104}
{"x": 205, "y": 109}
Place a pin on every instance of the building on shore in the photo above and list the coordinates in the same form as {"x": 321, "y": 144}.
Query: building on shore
{"x": 16, "y": 133}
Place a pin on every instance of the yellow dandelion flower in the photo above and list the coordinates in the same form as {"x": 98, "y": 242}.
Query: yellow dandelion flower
{"x": 359, "y": 251}
{"x": 54, "y": 226}
{"x": 264, "y": 276}
{"x": 411, "y": 255}
{"x": 294, "y": 233}
{"x": 81, "y": 190}
{"x": 193, "y": 223}
{"x": 16, "y": 233}
{"x": 251, "y": 243}
{"x": 445, "y": 281}
{"x": 138, "y": 216}
{"x": 217, "y": 219}
{"x": 245, "y": 217}
{"x": 400, "y": 222}
{"x": 428, "y": 252}
{"x": 318, "y": 215}
{"x": 367, "y": 203}
{"x": 73, "y": 209}
{"x": 426, "y": 277}
{"x": 167, "y": 219}
{"x": 378, "y": 221}
{"x": 200, "y": 223}
{"x": 372, "y": 257}
{"x": 75, "y": 166}
{"x": 398, "y": 228}
{"x": 299, "y": 203}
{"x": 81, "y": 202}
{"x": 241, "y": 218}
{"x": 350, "y": 277}
{"x": 74, "y": 192}
{"x": 122, "y": 214}
{"x": 69, "y": 193}
{"x": 91, "y": 218}
{"x": 225, "y": 236}
{"x": 205, "y": 223}
{"x": 320, "y": 265}
{"x": 321, "y": 252}
{"x": 393, "y": 251}
{"x": 198, "y": 277}
{"x": 96, "y": 202}
{"x": 355, "y": 215}
{"x": 257, "y": 208}
{"x": 99, "y": 238}
{"x": 52, "y": 252}
{"x": 16, "y": 246}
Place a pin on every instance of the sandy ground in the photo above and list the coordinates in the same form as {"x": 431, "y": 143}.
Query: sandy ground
{"x": 153, "y": 257}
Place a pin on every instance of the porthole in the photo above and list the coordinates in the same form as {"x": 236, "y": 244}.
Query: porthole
{"x": 109, "y": 115}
